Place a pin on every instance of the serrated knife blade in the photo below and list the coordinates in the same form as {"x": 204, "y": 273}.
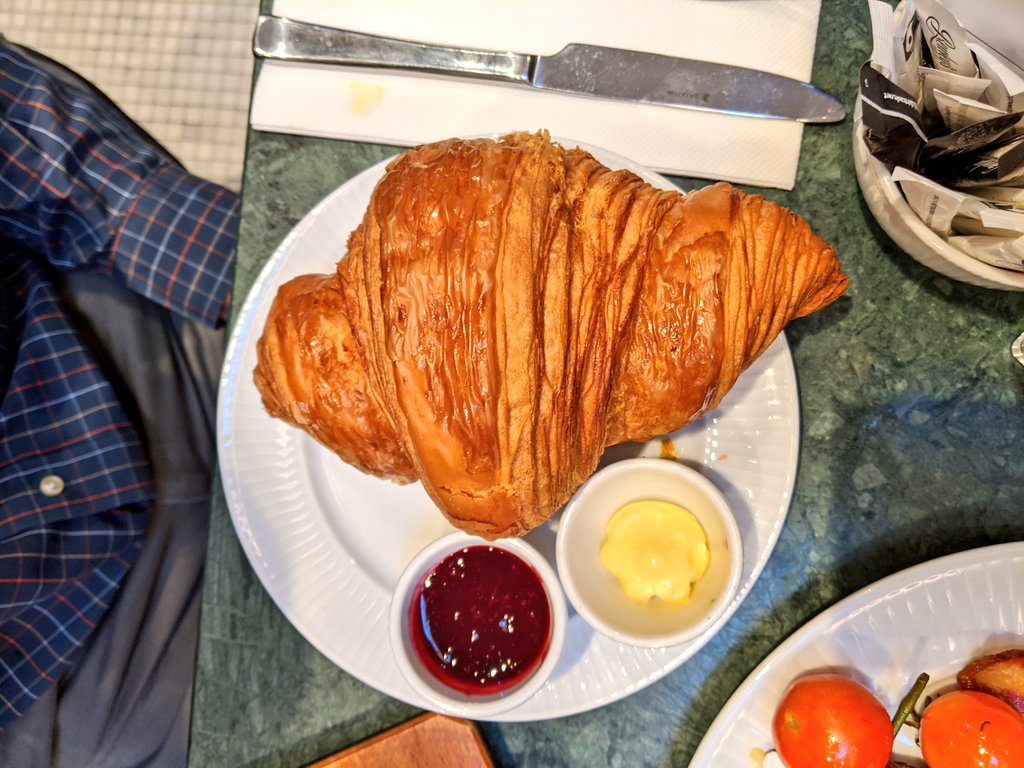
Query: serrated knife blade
{"x": 587, "y": 70}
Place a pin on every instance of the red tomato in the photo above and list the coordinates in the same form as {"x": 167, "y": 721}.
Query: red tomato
{"x": 831, "y": 721}
{"x": 971, "y": 729}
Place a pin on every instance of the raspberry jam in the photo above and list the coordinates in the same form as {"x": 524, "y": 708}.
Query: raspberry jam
{"x": 480, "y": 620}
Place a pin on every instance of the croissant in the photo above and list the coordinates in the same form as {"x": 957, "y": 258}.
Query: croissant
{"x": 509, "y": 308}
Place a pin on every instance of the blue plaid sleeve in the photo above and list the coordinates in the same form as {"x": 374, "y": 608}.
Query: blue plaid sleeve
{"x": 176, "y": 243}
{"x": 81, "y": 186}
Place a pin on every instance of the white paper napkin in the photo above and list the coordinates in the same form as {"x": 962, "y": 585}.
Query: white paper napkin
{"x": 386, "y": 107}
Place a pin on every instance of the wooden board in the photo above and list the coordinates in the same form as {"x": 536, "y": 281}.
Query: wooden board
{"x": 427, "y": 741}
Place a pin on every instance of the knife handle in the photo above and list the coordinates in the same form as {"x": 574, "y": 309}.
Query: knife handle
{"x": 289, "y": 40}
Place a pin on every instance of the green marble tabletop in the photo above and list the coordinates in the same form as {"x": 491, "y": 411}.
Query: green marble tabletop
{"x": 912, "y": 412}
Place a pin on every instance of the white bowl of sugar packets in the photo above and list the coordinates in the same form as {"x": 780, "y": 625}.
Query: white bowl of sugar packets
{"x": 955, "y": 204}
{"x": 895, "y": 216}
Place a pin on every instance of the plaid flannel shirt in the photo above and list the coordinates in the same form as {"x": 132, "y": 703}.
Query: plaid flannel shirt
{"x": 80, "y": 188}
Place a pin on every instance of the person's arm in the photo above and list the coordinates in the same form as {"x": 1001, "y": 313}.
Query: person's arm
{"x": 80, "y": 185}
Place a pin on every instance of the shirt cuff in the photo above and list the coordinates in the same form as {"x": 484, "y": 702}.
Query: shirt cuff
{"x": 176, "y": 244}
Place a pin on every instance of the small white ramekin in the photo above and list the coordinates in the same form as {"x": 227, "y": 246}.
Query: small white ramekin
{"x": 595, "y": 592}
{"x": 438, "y": 696}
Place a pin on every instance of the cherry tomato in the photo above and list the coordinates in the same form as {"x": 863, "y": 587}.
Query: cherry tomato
{"x": 831, "y": 721}
{"x": 971, "y": 729}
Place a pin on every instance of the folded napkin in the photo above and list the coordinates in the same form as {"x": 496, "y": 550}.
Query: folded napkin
{"x": 407, "y": 109}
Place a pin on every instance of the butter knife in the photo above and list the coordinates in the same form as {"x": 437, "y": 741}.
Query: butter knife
{"x": 588, "y": 70}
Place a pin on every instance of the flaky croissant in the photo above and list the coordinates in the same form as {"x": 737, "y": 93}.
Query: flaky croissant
{"x": 508, "y": 309}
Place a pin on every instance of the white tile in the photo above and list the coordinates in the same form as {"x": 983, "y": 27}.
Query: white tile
{"x": 181, "y": 69}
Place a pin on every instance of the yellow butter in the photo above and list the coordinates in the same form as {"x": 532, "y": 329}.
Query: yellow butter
{"x": 655, "y": 549}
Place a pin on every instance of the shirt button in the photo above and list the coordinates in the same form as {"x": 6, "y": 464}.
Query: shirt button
{"x": 51, "y": 485}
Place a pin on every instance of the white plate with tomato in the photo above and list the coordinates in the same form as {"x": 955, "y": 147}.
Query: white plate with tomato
{"x": 933, "y": 618}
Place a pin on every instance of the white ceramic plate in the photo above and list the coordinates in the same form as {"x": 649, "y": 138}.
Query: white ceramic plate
{"x": 932, "y": 618}
{"x": 328, "y": 542}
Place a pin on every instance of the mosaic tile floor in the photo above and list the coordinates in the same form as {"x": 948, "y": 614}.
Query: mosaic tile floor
{"x": 182, "y": 70}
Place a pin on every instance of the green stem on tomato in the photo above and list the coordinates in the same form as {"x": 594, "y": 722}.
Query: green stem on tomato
{"x": 909, "y": 702}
